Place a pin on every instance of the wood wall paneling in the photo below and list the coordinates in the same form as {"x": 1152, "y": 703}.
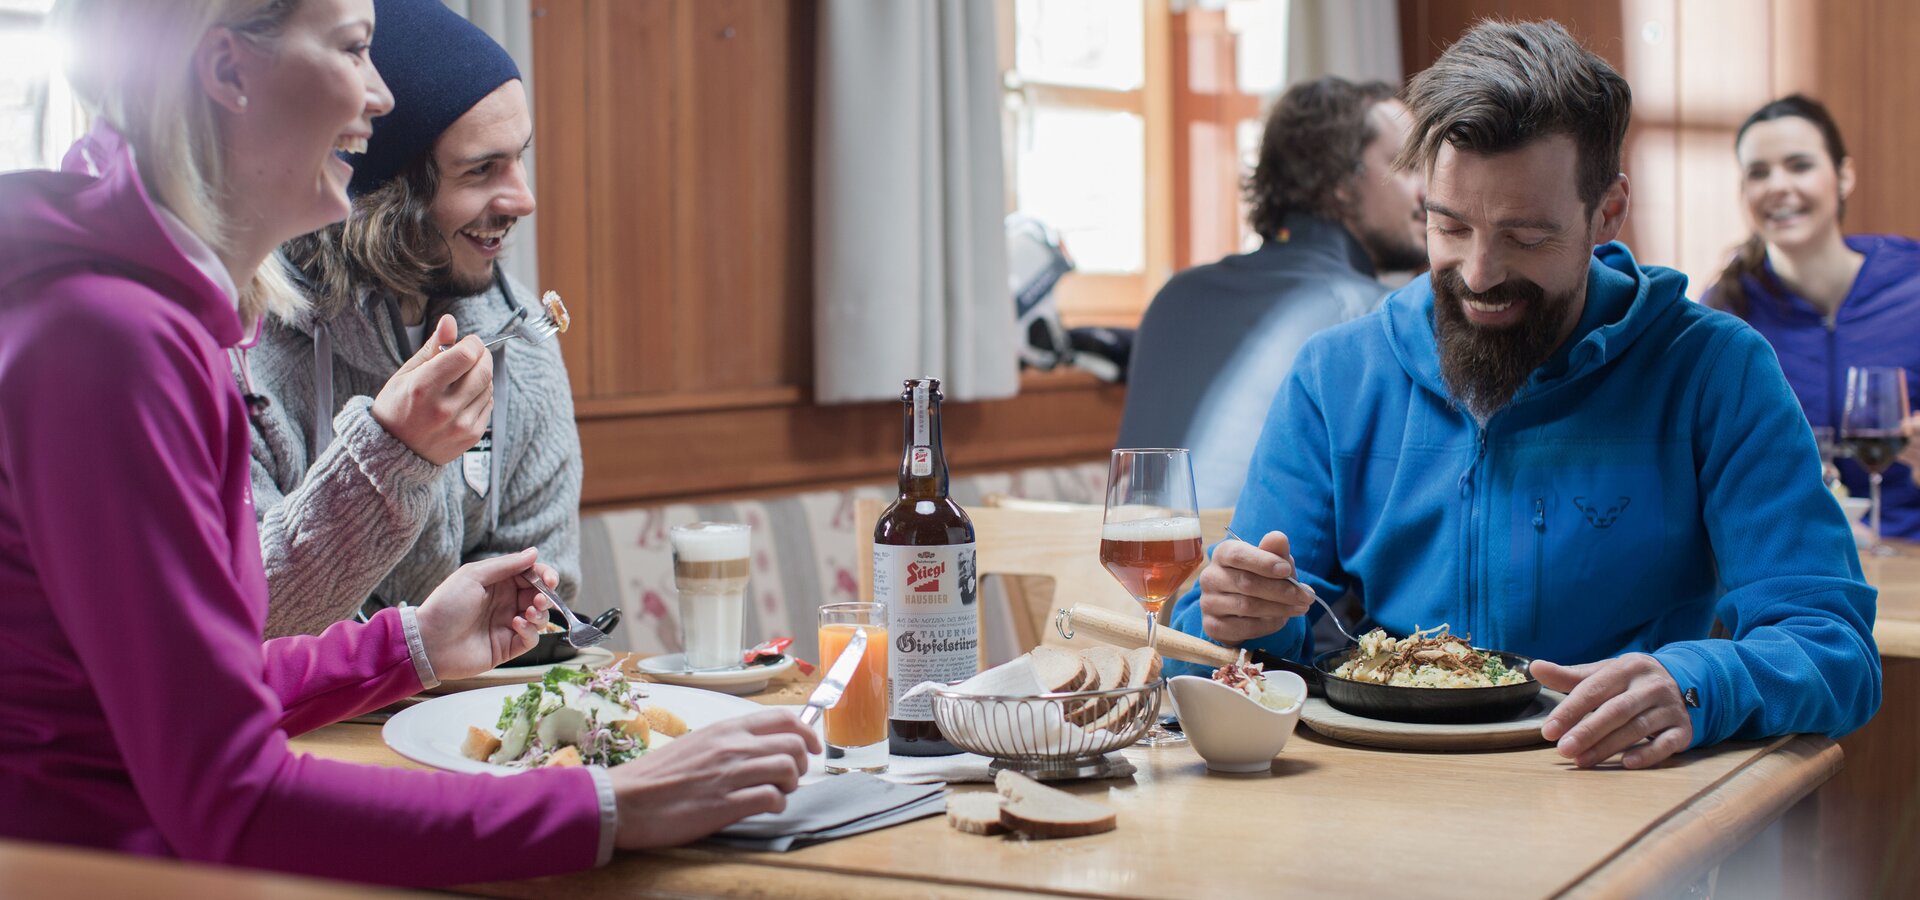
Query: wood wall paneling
{"x": 1059, "y": 418}
{"x": 633, "y": 259}
{"x": 1651, "y": 58}
{"x": 560, "y": 114}
{"x": 1724, "y": 75}
{"x": 675, "y": 184}
{"x": 1890, "y": 182}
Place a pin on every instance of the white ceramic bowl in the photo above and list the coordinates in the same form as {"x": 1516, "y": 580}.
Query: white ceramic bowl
{"x": 1231, "y": 731}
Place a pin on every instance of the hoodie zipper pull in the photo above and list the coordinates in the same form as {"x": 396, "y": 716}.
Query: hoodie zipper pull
{"x": 1480, "y": 451}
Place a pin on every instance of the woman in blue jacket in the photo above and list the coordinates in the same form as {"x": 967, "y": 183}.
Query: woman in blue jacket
{"x": 1824, "y": 300}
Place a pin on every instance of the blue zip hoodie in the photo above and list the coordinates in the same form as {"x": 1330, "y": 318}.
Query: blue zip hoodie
{"x": 1653, "y": 475}
{"x": 1878, "y": 324}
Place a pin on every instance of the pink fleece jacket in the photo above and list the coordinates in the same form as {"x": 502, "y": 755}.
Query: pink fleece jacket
{"x": 139, "y": 708}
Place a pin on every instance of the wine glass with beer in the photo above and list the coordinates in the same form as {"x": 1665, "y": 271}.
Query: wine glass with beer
{"x": 1150, "y": 539}
{"x": 1873, "y": 427}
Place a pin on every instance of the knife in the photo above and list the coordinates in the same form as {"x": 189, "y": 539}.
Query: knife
{"x": 835, "y": 682}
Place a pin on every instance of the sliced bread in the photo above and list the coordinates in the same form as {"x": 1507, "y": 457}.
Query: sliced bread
{"x": 977, "y": 812}
{"x": 1058, "y": 671}
{"x": 1038, "y": 811}
{"x": 1143, "y": 668}
{"x": 1110, "y": 672}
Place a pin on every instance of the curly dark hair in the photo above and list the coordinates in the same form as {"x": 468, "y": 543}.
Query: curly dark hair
{"x": 388, "y": 242}
{"x": 1311, "y": 148}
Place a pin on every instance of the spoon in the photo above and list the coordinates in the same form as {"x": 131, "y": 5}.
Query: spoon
{"x": 1310, "y": 592}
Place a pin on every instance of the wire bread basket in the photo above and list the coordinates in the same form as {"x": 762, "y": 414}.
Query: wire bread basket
{"x": 1032, "y": 735}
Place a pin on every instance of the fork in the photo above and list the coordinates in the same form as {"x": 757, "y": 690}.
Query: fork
{"x": 532, "y": 329}
{"x": 579, "y": 633}
{"x": 1310, "y": 592}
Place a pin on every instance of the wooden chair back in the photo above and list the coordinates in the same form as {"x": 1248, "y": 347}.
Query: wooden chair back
{"x": 1047, "y": 552}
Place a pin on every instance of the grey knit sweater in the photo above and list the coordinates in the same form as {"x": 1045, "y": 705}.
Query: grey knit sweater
{"x": 366, "y": 515}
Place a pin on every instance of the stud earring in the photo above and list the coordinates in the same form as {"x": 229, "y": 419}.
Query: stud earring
{"x": 242, "y": 100}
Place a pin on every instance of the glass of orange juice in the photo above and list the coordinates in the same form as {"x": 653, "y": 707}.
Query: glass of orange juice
{"x": 857, "y": 725}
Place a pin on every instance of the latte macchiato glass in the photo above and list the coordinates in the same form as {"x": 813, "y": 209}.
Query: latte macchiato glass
{"x": 711, "y": 561}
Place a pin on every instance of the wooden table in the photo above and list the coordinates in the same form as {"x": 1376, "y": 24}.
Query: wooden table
{"x": 1869, "y": 816}
{"x": 1330, "y": 819}
{"x": 1896, "y": 626}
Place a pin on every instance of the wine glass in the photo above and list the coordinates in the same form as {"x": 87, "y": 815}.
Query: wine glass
{"x": 1828, "y": 443}
{"x": 1873, "y": 427}
{"x": 1150, "y": 538}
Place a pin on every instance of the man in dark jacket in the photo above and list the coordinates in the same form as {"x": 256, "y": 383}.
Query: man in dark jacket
{"x": 1331, "y": 212}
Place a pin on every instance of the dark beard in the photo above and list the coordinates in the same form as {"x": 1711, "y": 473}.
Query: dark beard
{"x": 1485, "y": 367}
{"x": 444, "y": 282}
{"x": 1392, "y": 251}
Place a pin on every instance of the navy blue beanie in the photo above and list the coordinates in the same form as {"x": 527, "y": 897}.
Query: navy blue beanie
{"x": 438, "y": 65}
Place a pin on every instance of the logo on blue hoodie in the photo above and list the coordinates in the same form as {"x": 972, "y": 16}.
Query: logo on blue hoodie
{"x": 1601, "y": 517}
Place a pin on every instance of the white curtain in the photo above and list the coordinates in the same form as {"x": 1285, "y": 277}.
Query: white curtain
{"x": 1358, "y": 40}
{"x": 910, "y": 272}
{"x": 511, "y": 23}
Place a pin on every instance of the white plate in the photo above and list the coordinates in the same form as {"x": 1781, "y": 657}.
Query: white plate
{"x": 591, "y": 657}
{"x": 1523, "y": 731}
{"x": 671, "y": 669}
{"x": 432, "y": 732}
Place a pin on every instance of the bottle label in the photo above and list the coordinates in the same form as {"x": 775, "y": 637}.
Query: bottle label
{"x": 931, "y": 619}
{"x": 922, "y": 461}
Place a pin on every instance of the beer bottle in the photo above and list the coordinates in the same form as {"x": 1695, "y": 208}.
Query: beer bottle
{"x": 923, "y": 571}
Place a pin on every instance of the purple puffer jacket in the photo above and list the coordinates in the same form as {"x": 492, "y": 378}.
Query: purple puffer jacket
{"x": 139, "y": 709}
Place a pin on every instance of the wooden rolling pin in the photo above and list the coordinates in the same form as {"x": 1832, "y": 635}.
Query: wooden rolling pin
{"x": 1131, "y": 631}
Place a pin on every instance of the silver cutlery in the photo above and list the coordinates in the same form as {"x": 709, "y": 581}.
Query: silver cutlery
{"x": 835, "y": 682}
{"x": 579, "y": 633}
{"x": 1310, "y": 592}
{"x": 533, "y": 329}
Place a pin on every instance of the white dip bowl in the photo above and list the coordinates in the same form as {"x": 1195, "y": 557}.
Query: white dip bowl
{"x": 1232, "y": 731}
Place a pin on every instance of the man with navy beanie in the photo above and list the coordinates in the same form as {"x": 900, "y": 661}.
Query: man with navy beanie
{"x": 382, "y": 463}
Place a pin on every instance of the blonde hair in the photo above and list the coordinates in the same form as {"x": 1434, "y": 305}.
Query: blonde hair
{"x": 133, "y": 66}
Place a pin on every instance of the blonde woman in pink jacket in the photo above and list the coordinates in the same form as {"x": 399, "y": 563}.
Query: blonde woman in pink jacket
{"x": 143, "y": 713}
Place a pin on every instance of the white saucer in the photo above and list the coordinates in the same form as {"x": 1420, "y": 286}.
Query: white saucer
{"x": 670, "y": 668}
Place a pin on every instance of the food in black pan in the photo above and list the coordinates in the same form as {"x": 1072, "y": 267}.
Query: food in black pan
{"x": 1430, "y": 658}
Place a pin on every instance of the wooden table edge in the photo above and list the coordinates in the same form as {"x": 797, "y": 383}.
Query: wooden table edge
{"x": 1713, "y": 823}
{"x": 694, "y": 872}
{"x": 1897, "y": 637}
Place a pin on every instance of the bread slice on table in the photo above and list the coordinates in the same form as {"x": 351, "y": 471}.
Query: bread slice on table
{"x": 563, "y": 758}
{"x": 1057, "y": 670}
{"x": 1038, "y": 811}
{"x": 480, "y": 744}
{"x": 1109, "y": 672}
{"x": 977, "y": 812}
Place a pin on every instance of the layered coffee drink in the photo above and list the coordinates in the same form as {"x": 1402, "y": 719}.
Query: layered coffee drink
{"x": 711, "y": 562}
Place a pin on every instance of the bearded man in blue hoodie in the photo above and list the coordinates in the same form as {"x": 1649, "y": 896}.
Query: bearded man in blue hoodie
{"x": 1546, "y": 446}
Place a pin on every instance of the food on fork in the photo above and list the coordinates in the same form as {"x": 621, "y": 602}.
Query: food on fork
{"x": 1430, "y": 657}
{"x": 556, "y": 310}
{"x": 571, "y": 717}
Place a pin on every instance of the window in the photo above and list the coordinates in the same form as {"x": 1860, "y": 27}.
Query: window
{"x": 1230, "y": 62}
{"x": 1085, "y": 124}
{"x": 38, "y": 116}
{"x": 1129, "y": 128}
